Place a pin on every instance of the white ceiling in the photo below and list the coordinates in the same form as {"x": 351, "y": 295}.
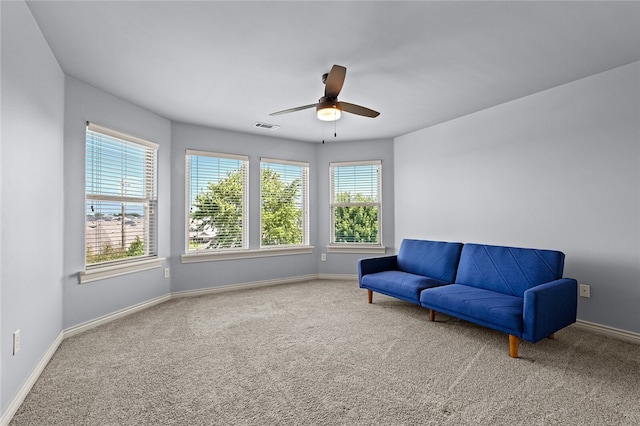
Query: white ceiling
{"x": 229, "y": 64}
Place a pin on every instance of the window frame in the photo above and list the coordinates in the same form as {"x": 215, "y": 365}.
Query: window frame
{"x": 221, "y": 253}
{"x": 149, "y": 200}
{"x": 347, "y": 247}
{"x": 304, "y": 198}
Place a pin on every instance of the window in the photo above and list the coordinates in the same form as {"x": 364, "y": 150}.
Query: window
{"x": 355, "y": 203}
{"x": 216, "y": 202}
{"x": 120, "y": 199}
{"x": 284, "y": 214}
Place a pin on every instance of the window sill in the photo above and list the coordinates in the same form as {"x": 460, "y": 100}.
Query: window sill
{"x": 356, "y": 248}
{"x": 117, "y": 270}
{"x": 245, "y": 254}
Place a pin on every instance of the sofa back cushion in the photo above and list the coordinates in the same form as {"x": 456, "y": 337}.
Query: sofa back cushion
{"x": 508, "y": 270}
{"x": 435, "y": 259}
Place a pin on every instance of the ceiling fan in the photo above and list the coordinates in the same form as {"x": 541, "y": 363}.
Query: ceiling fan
{"x": 329, "y": 108}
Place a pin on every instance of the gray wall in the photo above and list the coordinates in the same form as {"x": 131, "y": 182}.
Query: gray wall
{"x": 346, "y": 263}
{"x": 32, "y": 205}
{"x": 193, "y": 276}
{"x": 558, "y": 169}
{"x": 92, "y": 300}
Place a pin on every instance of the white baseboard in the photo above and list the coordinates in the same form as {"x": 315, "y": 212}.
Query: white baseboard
{"x": 264, "y": 283}
{"x": 24, "y": 390}
{"x": 615, "y": 333}
{"x": 253, "y": 284}
{"x": 340, "y": 277}
{"x": 72, "y": 331}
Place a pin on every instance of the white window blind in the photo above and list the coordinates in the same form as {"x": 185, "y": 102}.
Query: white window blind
{"x": 284, "y": 194}
{"x": 120, "y": 199}
{"x": 217, "y": 201}
{"x": 355, "y": 202}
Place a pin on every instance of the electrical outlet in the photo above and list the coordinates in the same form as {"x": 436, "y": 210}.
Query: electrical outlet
{"x": 166, "y": 272}
{"x": 585, "y": 290}
{"x": 16, "y": 342}
{"x": 323, "y": 257}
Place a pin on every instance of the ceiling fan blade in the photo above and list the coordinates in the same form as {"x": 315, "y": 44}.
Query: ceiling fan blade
{"x": 334, "y": 82}
{"x": 300, "y": 108}
{"x": 359, "y": 110}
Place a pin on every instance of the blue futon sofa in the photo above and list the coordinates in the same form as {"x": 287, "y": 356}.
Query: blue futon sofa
{"x": 419, "y": 265}
{"x": 518, "y": 291}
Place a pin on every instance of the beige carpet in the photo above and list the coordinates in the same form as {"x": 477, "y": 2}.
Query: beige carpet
{"x": 316, "y": 353}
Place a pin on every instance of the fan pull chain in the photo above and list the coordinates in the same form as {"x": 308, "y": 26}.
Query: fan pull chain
{"x": 335, "y": 131}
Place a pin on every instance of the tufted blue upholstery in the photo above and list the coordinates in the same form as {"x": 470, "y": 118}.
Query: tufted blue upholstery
{"x": 402, "y": 285}
{"x": 518, "y": 291}
{"x": 485, "y": 307}
{"x": 508, "y": 270}
{"x": 419, "y": 264}
{"x": 435, "y": 259}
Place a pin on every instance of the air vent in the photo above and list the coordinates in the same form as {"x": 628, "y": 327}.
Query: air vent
{"x": 266, "y": 125}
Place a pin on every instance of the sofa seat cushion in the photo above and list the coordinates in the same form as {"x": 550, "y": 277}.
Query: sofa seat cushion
{"x": 402, "y": 285}
{"x": 485, "y": 307}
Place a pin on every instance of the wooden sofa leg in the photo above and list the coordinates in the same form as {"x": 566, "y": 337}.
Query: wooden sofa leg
{"x": 370, "y": 296}
{"x": 552, "y": 336}
{"x": 432, "y": 315}
{"x": 513, "y": 346}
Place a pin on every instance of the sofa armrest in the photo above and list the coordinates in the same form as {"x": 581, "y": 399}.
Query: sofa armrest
{"x": 549, "y": 307}
{"x": 376, "y": 264}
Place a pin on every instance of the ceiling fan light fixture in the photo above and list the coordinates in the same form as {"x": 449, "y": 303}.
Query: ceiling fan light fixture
{"x": 328, "y": 111}
{"x": 328, "y": 108}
